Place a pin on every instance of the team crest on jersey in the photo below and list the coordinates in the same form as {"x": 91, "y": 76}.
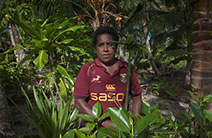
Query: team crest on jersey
{"x": 123, "y": 77}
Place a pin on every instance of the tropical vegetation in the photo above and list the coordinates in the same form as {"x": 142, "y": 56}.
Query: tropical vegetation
{"x": 44, "y": 43}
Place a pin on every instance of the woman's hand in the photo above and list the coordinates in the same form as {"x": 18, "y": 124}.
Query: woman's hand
{"x": 108, "y": 124}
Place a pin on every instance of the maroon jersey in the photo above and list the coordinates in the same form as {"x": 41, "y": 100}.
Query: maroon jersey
{"x": 95, "y": 83}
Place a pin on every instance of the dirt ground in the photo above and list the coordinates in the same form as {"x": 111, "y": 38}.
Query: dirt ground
{"x": 173, "y": 105}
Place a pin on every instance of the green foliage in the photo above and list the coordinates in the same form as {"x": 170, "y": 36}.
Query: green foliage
{"x": 160, "y": 87}
{"x": 202, "y": 123}
{"x": 12, "y": 76}
{"x": 57, "y": 46}
{"x": 93, "y": 123}
{"x": 51, "y": 118}
{"x": 50, "y": 38}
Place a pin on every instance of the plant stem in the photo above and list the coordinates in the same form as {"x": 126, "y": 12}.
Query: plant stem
{"x": 128, "y": 82}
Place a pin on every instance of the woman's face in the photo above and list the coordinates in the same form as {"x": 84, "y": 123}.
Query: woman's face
{"x": 105, "y": 49}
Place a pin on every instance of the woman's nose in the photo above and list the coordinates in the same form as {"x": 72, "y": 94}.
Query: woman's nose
{"x": 105, "y": 47}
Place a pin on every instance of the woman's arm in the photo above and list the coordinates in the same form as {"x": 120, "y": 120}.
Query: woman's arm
{"x": 136, "y": 104}
{"x": 83, "y": 106}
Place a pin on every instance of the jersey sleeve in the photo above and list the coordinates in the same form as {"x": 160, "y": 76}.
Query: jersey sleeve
{"x": 134, "y": 84}
{"x": 81, "y": 86}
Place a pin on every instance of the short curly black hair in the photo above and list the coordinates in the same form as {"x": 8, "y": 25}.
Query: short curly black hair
{"x": 104, "y": 30}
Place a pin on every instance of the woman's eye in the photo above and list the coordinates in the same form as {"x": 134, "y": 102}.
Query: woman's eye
{"x": 111, "y": 44}
{"x": 100, "y": 45}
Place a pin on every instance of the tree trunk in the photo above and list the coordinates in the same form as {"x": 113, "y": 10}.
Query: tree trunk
{"x": 202, "y": 48}
{"x": 15, "y": 39}
{"x": 6, "y": 129}
{"x": 150, "y": 56}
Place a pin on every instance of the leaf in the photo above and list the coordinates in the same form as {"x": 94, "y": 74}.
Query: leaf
{"x": 93, "y": 135}
{"x": 104, "y": 116}
{"x": 197, "y": 112}
{"x": 97, "y": 109}
{"x": 69, "y": 134}
{"x": 145, "y": 122}
{"x": 120, "y": 118}
{"x": 85, "y": 130}
{"x": 79, "y": 134}
{"x": 79, "y": 50}
{"x": 63, "y": 91}
{"x": 41, "y": 60}
{"x": 194, "y": 96}
{"x": 108, "y": 133}
{"x": 67, "y": 41}
{"x": 65, "y": 74}
{"x": 208, "y": 114}
{"x": 86, "y": 117}
{"x": 145, "y": 108}
{"x": 45, "y": 22}
{"x": 207, "y": 98}
{"x": 91, "y": 126}
{"x": 74, "y": 28}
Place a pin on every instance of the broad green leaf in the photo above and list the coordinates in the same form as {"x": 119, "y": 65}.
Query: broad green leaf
{"x": 86, "y": 117}
{"x": 69, "y": 134}
{"x": 85, "y": 130}
{"x": 105, "y": 115}
{"x": 91, "y": 126}
{"x": 207, "y": 98}
{"x": 120, "y": 118}
{"x": 145, "y": 122}
{"x": 41, "y": 60}
{"x": 108, "y": 133}
{"x": 97, "y": 109}
{"x": 197, "y": 112}
{"x": 208, "y": 114}
{"x": 79, "y": 134}
{"x": 145, "y": 108}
